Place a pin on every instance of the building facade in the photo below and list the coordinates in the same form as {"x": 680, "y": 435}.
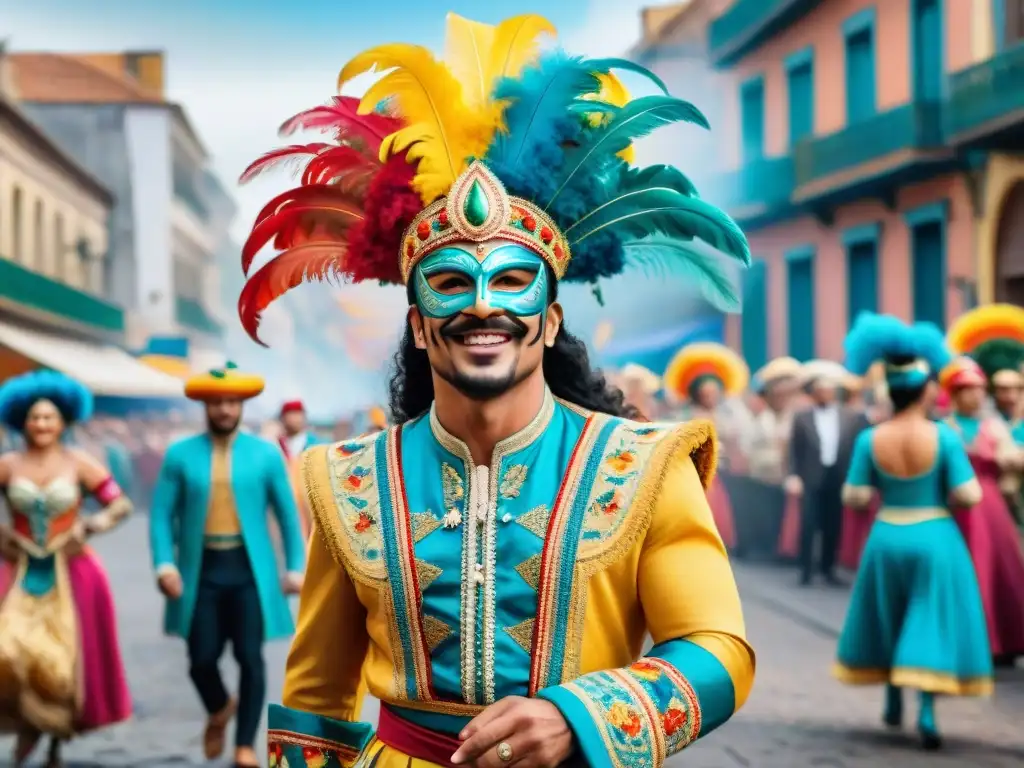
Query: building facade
{"x": 170, "y": 215}
{"x": 870, "y": 151}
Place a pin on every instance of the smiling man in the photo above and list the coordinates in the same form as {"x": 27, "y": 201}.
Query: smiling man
{"x": 459, "y": 558}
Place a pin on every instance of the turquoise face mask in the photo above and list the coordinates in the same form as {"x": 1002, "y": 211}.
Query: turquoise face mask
{"x": 530, "y": 301}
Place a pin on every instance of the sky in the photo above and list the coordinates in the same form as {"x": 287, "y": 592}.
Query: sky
{"x": 241, "y": 67}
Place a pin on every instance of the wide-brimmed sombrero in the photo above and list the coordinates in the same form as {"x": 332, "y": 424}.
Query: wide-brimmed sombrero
{"x": 695, "y": 361}
{"x": 226, "y": 382}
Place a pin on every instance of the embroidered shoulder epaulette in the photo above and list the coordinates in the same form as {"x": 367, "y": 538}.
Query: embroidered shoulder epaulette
{"x": 635, "y": 458}
{"x": 343, "y": 489}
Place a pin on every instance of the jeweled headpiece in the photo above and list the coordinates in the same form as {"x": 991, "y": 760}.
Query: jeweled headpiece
{"x": 497, "y": 141}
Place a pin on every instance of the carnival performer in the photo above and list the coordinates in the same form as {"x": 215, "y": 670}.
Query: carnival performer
{"x": 444, "y": 553}
{"x": 820, "y": 447}
{"x": 294, "y": 440}
{"x": 60, "y": 662}
{"x": 700, "y": 375}
{"x": 214, "y": 558}
{"x": 759, "y": 500}
{"x": 639, "y": 385}
{"x": 915, "y": 618}
{"x": 989, "y": 528}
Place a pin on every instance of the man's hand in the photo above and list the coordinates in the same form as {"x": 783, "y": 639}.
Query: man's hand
{"x": 291, "y": 584}
{"x": 793, "y": 486}
{"x": 170, "y": 584}
{"x": 534, "y": 729}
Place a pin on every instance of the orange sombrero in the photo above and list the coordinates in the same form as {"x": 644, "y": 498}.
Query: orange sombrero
{"x": 706, "y": 359}
{"x": 984, "y": 324}
{"x": 223, "y": 382}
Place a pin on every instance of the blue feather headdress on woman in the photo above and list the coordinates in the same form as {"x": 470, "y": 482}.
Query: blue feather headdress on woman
{"x": 912, "y": 353}
{"x": 19, "y": 394}
{"x": 555, "y": 131}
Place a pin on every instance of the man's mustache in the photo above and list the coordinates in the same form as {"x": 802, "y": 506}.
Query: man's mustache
{"x": 463, "y": 324}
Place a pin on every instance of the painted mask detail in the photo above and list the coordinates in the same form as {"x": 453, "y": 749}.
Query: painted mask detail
{"x": 528, "y": 302}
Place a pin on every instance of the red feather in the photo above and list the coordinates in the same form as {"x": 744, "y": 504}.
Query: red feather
{"x": 341, "y": 117}
{"x": 317, "y": 261}
{"x": 336, "y": 163}
{"x": 319, "y": 205}
{"x": 277, "y": 156}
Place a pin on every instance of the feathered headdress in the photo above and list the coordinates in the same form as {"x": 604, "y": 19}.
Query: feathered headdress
{"x": 694, "y": 362}
{"x": 911, "y": 353}
{"x": 495, "y": 141}
{"x": 994, "y": 336}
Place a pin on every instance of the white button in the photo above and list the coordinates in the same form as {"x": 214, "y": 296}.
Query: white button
{"x": 506, "y": 518}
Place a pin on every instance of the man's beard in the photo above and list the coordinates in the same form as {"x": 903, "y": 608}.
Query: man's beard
{"x": 221, "y": 431}
{"x": 484, "y": 387}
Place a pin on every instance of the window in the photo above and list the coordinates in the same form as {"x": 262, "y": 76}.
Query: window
{"x": 800, "y": 303}
{"x": 861, "y": 270}
{"x": 1009, "y": 16}
{"x": 752, "y": 119}
{"x": 754, "y": 320}
{"x": 928, "y": 262}
{"x": 39, "y": 238}
{"x": 927, "y": 47}
{"x": 17, "y": 231}
{"x": 59, "y": 247}
{"x": 800, "y": 79}
{"x": 859, "y": 31}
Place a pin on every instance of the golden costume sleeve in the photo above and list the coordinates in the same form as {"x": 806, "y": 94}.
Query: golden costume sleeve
{"x": 322, "y": 691}
{"x": 701, "y": 668}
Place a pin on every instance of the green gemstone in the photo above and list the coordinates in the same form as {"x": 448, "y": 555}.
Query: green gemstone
{"x": 476, "y": 208}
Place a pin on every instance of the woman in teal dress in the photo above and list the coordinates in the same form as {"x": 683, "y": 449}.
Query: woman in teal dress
{"x": 915, "y": 618}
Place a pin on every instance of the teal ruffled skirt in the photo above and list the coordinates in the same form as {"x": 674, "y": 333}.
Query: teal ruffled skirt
{"x": 915, "y": 617}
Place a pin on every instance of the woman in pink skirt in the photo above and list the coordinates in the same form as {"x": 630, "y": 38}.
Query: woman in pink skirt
{"x": 60, "y": 665}
{"x": 699, "y": 376}
{"x": 989, "y": 529}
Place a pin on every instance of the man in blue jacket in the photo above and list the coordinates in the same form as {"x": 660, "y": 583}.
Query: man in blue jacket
{"x": 214, "y": 558}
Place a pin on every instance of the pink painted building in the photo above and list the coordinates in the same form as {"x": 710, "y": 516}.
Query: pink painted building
{"x": 845, "y": 158}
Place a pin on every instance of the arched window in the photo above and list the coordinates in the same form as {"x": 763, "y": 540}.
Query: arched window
{"x": 17, "y": 234}
{"x": 60, "y": 248}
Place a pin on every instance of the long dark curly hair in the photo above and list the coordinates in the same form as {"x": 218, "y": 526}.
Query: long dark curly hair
{"x": 567, "y": 371}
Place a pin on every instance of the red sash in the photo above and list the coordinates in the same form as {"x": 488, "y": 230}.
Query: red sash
{"x": 415, "y": 740}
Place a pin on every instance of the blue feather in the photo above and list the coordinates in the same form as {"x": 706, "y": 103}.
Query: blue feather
{"x": 604, "y": 66}
{"x": 663, "y": 256}
{"x": 636, "y": 213}
{"x": 878, "y": 337}
{"x": 634, "y": 121}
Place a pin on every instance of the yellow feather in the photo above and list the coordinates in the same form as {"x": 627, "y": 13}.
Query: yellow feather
{"x": 613, "y": 92}
{"x": 515, "y": 45}
{"x": 441, "y": 132}
{"x": 467, "y": 50}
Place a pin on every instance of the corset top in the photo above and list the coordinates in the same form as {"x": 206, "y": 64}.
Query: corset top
{"x": 42, "y": 516}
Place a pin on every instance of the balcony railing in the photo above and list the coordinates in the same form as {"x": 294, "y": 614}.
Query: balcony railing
{"x": 909, "y": 127}
{"x": 191, "y": 314}
{"x": 760, "y": 188}
{"x": 34, "y": 291}
{"x": 747, "y": 23}
{"x": 981, "y": 97}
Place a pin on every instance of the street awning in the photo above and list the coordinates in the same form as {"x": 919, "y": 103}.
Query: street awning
{"x": 177, "y": 367}
{"x": 105, "y": 369}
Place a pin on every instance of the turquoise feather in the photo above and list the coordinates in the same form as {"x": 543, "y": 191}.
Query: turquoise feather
{"x": 663, "y": 256}
{"x": 634, "y": 121}
{"x": 604, "y": 66}
{"x": 657, "y": 176}
{"x": 636, "y": 213}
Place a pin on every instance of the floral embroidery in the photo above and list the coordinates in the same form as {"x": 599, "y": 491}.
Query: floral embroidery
{"x": 453, "y": 490}
{"x": 645, "y": 712}
{"x": 292, "y": 750}
{"x": 621, "y": 470}
{"x": 512, "y": 482}
{"x": 355, "y": 495}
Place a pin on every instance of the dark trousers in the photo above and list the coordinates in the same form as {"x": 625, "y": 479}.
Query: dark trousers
{"x": 228, "y": 610}
{"x": 821, "y": 513}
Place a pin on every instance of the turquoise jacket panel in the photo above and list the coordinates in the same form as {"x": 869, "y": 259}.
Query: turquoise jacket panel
{"x": 462, "y": 513}
{"x": 177, "y": 523}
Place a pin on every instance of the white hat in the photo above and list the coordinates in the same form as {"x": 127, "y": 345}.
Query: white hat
{"x": 647, "y": 379}
{"x": 825, "y": 372}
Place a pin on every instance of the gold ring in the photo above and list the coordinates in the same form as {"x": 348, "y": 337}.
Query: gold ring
{"x": 505, "y": 752}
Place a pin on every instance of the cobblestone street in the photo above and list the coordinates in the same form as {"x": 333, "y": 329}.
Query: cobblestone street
{"x": 797, "y": 716}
